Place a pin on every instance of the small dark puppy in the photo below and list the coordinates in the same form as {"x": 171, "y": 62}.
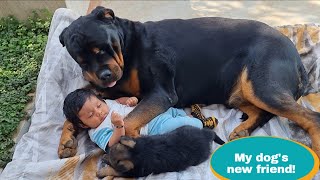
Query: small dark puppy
{"x": 174, "y": 151}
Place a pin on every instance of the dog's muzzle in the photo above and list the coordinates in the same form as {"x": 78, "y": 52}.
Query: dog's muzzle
{"x": 104, "y": 74}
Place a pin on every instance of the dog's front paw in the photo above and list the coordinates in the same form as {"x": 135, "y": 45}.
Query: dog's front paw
{"x": 68, "y": 143}
{"x": 239, "y": 132}
{"x": 131, "y": 129}
{"x": 132, "y": 133}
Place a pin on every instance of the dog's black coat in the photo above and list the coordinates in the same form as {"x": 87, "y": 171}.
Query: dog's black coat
{"x": 182, "y": 62}
{"x": 190, "y": 61}
{"x": 170, "y": 152}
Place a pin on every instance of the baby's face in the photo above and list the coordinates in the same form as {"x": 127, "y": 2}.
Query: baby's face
{"x": 93, "y": 112}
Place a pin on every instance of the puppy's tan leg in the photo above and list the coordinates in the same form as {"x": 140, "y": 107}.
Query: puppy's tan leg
{"x": 107, "y": 171}
{"x": 111, "y": 172}
{"x": 109, "y": 178}
{"x": 68, "y": 143}
{"x": 103, "y": 173}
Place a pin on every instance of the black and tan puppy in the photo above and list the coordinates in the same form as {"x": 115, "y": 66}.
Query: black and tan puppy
{"x": 171, "y": 152}
{"x": 240, "y": 63}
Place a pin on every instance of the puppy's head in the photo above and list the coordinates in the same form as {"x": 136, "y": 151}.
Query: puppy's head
{"x": 120, "y": 157}
{"x": 94, "y": 42}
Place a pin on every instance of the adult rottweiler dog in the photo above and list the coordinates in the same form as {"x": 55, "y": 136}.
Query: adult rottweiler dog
{"x": 243, "y": 64}
{"x": 170, "y": 152}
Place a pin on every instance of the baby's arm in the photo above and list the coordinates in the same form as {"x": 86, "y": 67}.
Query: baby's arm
{"x": 130, "y": 101}
{"x": 118, "y": 131}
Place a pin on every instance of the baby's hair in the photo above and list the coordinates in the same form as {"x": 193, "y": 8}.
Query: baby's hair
{"x": 74, "y": 102}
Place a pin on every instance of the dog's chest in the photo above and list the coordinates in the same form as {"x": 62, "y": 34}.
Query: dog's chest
{"x": 131, "y": 85}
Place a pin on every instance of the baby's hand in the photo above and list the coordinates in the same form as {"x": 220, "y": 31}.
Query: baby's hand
{"x": 116, "y": 119}
{"x": 132, "y": 101}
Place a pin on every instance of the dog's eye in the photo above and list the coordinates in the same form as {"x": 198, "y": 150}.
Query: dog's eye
{"x": 101, "y": 52}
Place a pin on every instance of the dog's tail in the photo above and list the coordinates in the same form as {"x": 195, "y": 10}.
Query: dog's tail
{"x": 214, "y": 137}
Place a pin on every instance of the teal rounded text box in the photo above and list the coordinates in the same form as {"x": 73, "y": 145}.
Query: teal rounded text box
{"x": 264, "y": 158}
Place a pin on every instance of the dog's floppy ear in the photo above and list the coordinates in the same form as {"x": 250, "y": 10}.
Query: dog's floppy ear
{"x": 102, "y": 12}
{"x": 127, "y": 141}
{"x": 61, "y": 37}
{"x": 124, "y": 166}
{"x": 76, "y": 42}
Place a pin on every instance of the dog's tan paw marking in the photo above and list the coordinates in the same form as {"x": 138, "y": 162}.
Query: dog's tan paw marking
{"x": 68, "y": 143}
{"x": 71, "y": 143}
{"x": 67, "y": 152}
{"x": 68, "y": 148}
{"x": 239, "y": 133}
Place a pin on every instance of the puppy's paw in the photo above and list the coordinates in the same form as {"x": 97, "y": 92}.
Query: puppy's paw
{"x": 102, "y": 172}
{"x": 127, "y": 141}
{"x": 68, "y": 143}
{"x": 108, "y": 171}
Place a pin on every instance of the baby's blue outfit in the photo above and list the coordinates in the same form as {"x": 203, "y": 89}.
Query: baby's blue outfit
{"x": 172, "y": 119}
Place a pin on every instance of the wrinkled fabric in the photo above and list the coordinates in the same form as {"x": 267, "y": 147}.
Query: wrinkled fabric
{"x": 36, "y": 156}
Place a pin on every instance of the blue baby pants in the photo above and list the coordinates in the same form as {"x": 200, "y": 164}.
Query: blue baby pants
{"x": 170, "y": 120}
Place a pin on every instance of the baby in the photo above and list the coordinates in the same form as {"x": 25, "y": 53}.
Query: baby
{"x": 104, "y": 118}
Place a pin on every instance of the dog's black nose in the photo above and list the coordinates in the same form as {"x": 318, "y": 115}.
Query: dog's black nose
{"x": 104, "y": 74}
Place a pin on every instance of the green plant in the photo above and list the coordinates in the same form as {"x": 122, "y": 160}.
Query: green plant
{"x": 22, "y": 45}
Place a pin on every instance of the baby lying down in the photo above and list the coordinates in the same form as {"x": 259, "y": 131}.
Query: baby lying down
{"x": 183, "y": 142}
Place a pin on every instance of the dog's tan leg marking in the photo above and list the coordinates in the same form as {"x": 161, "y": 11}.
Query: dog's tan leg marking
{"x": 132, "y": 85}
{"x": 237, "y": 100}
{"x": 305, "y": 118}
{"x": 68, "y": 143}
{"x": 139, "y": 118}
{"x": 246, "y": 127}
{"x": 118, "y": 56}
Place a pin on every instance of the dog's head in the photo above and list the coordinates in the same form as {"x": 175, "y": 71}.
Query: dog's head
{"x": 119, "y": 156}
{"x": 94, "y": 42}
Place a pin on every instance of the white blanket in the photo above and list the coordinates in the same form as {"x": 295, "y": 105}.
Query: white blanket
{"x": 36, "y": 156}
